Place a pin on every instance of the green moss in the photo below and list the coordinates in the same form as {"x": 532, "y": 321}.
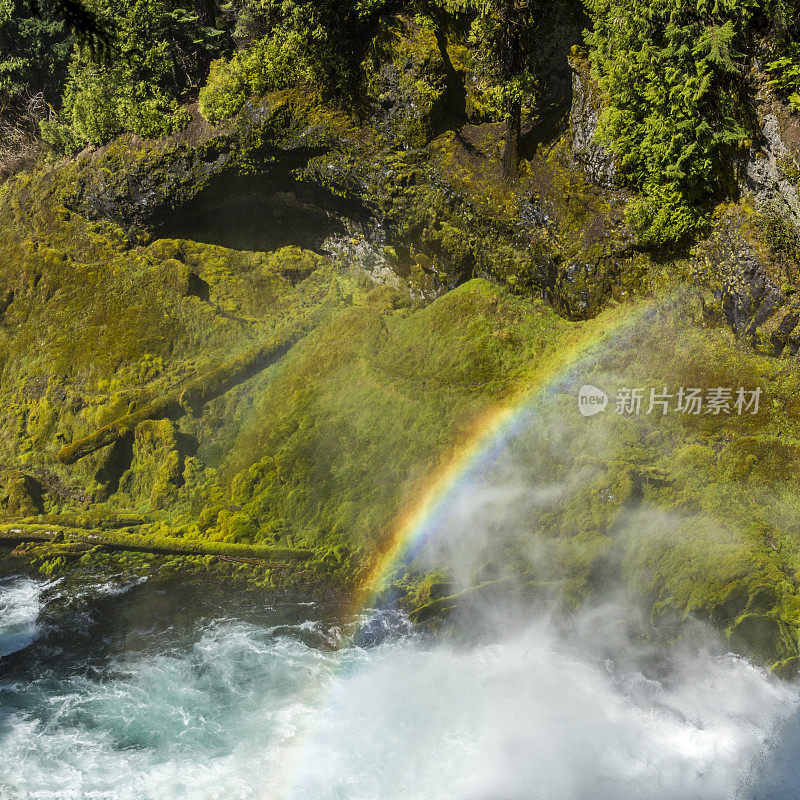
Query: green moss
{"x": 152, "y": 543}
{"x": 297, "y": 407}
{"x": 189, "y": 398}
{"x": 362, "y": 408}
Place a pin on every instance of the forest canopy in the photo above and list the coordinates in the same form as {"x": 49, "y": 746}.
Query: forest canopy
{"x": 675, "y": 76}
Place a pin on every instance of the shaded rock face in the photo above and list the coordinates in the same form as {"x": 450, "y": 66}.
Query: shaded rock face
{"x": 325, "y": 184}
{"x": 580, "y": 289}
{"x": 130, "y": 181}
{"x": 753, "y": 290}
{"x": 771, "y": 173}
{"x": 408, "y": 80}
{"x": 146, "y": 190}
{"x": 589, "y": 155}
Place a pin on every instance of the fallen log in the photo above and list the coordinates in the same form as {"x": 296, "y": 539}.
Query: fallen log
{"x": 169, "y": 545}
{"x": 93, "y": 521}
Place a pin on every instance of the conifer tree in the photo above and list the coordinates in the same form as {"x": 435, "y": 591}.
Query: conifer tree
{"x": 677, "y": 105}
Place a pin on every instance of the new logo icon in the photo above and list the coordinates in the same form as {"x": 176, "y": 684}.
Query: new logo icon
{"x": 591, "y": 400}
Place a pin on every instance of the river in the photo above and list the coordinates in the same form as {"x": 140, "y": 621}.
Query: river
{"x": 155, "y": 691}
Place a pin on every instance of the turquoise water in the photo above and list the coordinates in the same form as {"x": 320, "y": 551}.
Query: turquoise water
{"x": 155, "y": 692}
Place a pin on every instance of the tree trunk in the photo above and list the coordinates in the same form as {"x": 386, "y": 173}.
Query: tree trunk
{"x": 513, "y": 131}
{"x": 511, "y": 61}
{"x": 455, "y": 93}
{"x": 15, "y": 533}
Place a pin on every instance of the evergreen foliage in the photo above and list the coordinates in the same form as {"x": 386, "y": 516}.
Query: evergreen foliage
{"x": 294, "y": 42}
{"x": 785, "y": 70}
{"x": 672, "y": 72}
{"x": 784, "y": 66}
{"x": 33, "y": 52}
{"x": 160, "y": 54}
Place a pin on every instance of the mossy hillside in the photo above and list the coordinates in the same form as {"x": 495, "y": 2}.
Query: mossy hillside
{"x": 360, "y": 412}
{"x": 693, "y": 514}
{"x": 95, "y": 327}
{"x": 455, "y": 358}
{"x": 157, "y": 316}
{"x": 324, "y": 449}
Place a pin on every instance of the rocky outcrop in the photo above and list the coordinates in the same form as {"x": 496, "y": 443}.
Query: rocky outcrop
{"x": 130, "y": 182}
{"x": 407, "y": 79}
{"x": 752, "y": 285}
{"x": 588, "y": 154}
{"x": 771, "y": 172}
{"x": 579, "y": 289}
{"x": 20, "y": 493}
{"x": 137, "y": 183}
{"x": 290, "y": 171}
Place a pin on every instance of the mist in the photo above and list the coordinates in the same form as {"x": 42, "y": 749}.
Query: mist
{"x": 529, "y": 695}
{"x": 541, "y": 713}
{"x": 572, "y": 664}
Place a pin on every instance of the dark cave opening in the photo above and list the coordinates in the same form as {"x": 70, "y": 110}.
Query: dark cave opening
{"x": 261, "y": 212}
{"x": 198, "y": 287}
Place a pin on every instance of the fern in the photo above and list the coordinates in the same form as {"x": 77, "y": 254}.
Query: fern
{"x": 785, "y": 72}
{"x": 672, "y": 77}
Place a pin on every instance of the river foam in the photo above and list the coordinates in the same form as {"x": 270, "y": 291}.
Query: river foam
{"x": 20, "y": 603}
{"x": 237, "y": 708}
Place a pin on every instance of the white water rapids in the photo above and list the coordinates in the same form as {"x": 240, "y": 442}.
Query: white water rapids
{"x": 235, "y": 707}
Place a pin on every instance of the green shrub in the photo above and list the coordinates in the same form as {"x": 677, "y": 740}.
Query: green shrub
{"x": 272, "y": 63}
{"x": 59, "y": 136}
{"x": 286, "y": 43}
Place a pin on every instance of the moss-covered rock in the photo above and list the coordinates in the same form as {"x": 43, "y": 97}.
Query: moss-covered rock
{"x": 176, "y": 399}
{"x": 750, "y": 266}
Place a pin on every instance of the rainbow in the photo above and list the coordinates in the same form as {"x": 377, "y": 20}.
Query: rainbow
{"x": 487, "y": 439}
{"x": 490, "y": 432}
